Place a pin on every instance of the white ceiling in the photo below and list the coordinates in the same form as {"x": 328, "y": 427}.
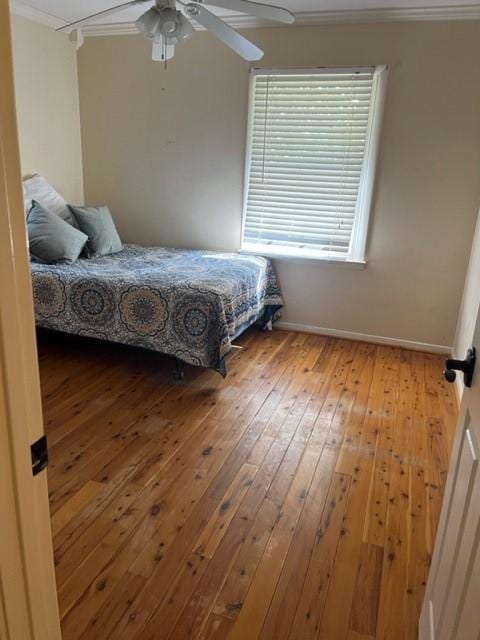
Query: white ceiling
{"x": 70, "y": 10}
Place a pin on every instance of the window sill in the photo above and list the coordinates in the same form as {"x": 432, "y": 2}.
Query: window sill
{"x": 303, "y": 256}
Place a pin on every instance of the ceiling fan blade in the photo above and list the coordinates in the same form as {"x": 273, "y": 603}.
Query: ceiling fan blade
{"x": 100, "y": 14}
{"x": 224, "y": 32}
{"x": 256, "y": 9}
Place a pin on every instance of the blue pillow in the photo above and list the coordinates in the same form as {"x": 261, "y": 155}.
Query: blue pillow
{"x": 51, "y": 239}
{"x": 97, "y": 223}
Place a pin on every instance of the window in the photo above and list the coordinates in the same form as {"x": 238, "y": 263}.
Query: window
{"x": 311, "y": 152}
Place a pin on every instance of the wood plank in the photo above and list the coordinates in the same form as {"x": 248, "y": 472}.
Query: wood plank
{"x": 63, "y": 516}
{"x": 419, "y": 549}
{"x": 367, "y": 590}
{"x": 359, "y": 460}
{"x": 394, "y": 576}
{"x": 375, "y": 524}
{"x": 216, "y": 527}
{"x": 289, "y": 588}
{"x": 255, "y": 607}
{"x": 311, "y": 604}
{"x": 354, "y": 635}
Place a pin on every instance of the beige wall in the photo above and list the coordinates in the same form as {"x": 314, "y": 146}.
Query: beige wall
{"x": 46, "y": 88}
{"x": 166, "y": 150}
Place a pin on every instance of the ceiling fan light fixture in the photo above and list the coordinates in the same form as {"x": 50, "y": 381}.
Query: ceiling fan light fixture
{"x": 148, "y": 23}
{"x": 174, "y": 26}
{"x": 169, "y": 24}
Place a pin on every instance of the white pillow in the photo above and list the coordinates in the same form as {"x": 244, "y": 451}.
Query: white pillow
{"x": 37, "y": 188}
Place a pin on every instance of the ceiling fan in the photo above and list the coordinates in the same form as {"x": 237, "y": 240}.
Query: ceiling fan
{"x": 166, "y": 26}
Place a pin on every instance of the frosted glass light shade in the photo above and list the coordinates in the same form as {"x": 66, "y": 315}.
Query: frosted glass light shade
{"x": 148, "y": 23}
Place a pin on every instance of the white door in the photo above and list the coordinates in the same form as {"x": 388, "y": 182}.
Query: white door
{"x": 451, "y": 609}
{"x": 28, "y": 602}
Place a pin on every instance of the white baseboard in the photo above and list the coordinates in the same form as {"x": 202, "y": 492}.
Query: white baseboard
{"x": 364, "y": 337}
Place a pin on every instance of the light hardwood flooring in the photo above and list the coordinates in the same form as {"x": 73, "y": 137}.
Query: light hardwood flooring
{"x": 296, "y": 499}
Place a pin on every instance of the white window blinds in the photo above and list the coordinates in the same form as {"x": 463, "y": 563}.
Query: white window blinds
{"x": 308, "y": 160}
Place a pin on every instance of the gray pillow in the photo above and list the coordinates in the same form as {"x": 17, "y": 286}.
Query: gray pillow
{"x": 97, "y": 223}
{"x": 51, "y": 239}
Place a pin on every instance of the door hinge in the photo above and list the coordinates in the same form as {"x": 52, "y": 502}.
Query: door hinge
{"x": 39, "y": 450}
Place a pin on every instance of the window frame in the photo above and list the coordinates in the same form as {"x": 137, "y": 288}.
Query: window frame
{"x": 358, "y": 241}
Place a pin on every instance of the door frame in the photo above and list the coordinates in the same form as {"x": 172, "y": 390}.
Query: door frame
{"x": 28, "y": 598}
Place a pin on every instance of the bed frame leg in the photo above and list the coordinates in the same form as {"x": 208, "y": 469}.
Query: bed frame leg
{"x": 179, "y": 372}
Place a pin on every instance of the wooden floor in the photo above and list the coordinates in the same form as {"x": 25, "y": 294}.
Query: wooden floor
{"x": 296, "y": 499}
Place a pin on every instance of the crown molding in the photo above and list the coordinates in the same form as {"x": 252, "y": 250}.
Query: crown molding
{"x": 410, "y": 14}
{"x": 391, "y": 14}
{"x": 20, "y": 9}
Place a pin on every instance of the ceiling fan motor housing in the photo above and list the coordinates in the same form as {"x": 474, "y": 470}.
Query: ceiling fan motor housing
{"x": 166, "y": 4}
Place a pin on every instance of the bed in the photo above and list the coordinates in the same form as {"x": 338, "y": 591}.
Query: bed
{"x": 184, "y": 303}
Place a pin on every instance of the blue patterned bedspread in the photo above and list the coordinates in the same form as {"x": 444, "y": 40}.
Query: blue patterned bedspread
{"x": 188, "y": 304}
